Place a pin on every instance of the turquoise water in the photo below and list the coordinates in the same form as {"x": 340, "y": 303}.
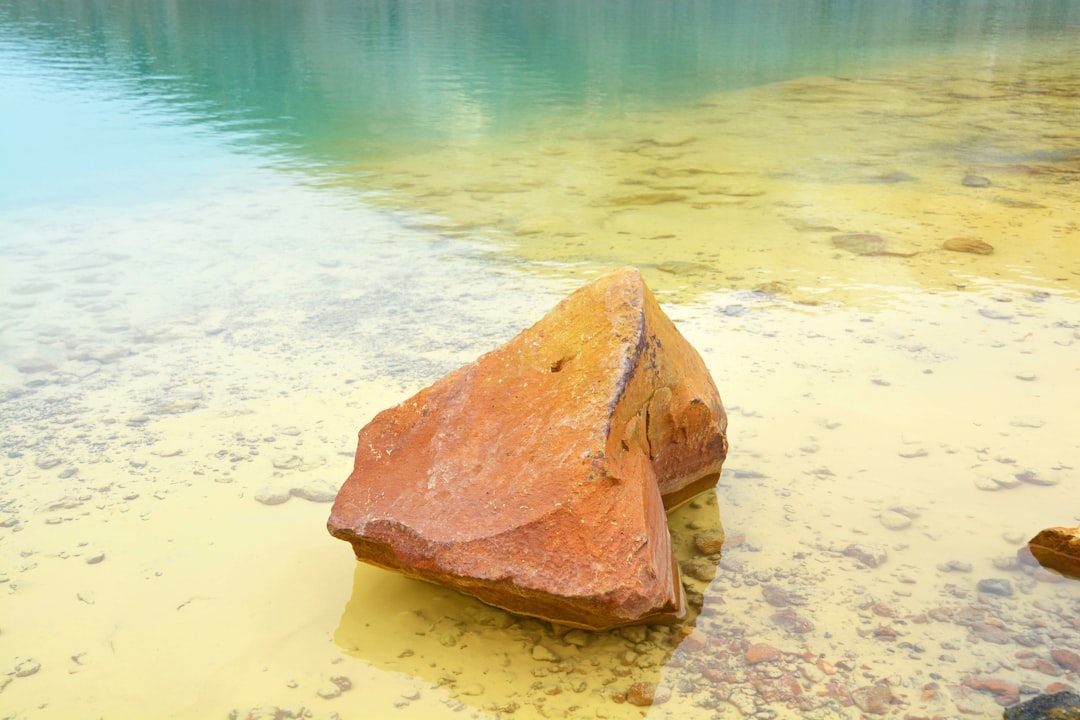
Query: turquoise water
{"x": 125, "y": 97}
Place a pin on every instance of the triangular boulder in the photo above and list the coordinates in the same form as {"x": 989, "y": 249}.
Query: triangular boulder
{"x": 537, "y": 477}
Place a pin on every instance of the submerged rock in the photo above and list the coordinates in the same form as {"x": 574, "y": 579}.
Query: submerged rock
{"x": 868, "y": 244}
{"x": 972, "y": 245}
{"x": 1058, "y": 548}
{"x": 537, "y": 477}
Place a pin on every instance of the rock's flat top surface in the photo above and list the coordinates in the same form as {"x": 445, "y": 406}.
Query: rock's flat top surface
{"x": 536, "y": 477}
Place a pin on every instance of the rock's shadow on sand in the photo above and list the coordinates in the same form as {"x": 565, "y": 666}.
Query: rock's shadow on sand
{"x": 484, "y": 657}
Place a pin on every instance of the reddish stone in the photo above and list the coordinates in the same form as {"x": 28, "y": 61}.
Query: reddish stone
{"x": 1056, "y": 687}
{"x": 873, "y": 699}
{"x": 1005, "y": 692}
{"x": 761, "y": 652}
{"x": 1066, "y": 659}
{"x": 1058, "y": 548}
{"x": 789, "y": 687}
{"x": 537, "y": 477}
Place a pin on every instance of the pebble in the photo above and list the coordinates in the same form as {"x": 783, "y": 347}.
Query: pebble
{"x": 699, "y": 569}
{"x": 576, "y": 637}
{"x": 974, "y": 246}
{"x": 995, "y": 314}
{"x": 913, "y": 453}
{"x": 906, "y": 510}
{"x": 710, "y": 542}
{"x": 95, "y": 558}
{"x": 995, "y": 586}
{"x": 859, "y": 243}
{"x": 26, "y": 668}
{"x": 873, "y": 699}
{"x": 287, "y": 462}
{"x": 894, "y": 520}
{"x": 1066, "y": 659}
{"x": 318, "y": 491}
{"x": 272, "y": 495}
{"x": 955, "y": 566}
{"x": 1028, "y": 421}
{"x": 871, "y": 556}
{"x": 47, "y": 462}
{"x": 762, "y": 652}
{"x": 1033, "y": 477}
{"x": 990, "y": 633}
{"x": 976, "y": 181}
{"x": 647, "y": 693}
{"x": 1025, "y": 376}
{"x": 792, "y": 621}
{"x": 543, "y": 654}
{"x": 1006, "y": 481}
{"x": 781, "y": 597}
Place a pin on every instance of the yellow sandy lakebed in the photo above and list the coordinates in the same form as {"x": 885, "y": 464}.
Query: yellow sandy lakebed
{"x": 900, "y": 425}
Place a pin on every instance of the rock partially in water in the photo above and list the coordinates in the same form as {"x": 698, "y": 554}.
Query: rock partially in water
{"x": 1058, "y": 548}
{"x": 537, "y": 477}
{"x": 1058, "y": 706}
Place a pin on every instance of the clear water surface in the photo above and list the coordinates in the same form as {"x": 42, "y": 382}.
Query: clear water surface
{"x": 231, "y": 232}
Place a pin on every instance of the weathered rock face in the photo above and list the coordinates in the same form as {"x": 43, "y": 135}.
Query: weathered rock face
{"x": 1059, "y": 706}
{"x": 537, "y": 477}
{"x": 1058, "y": 548}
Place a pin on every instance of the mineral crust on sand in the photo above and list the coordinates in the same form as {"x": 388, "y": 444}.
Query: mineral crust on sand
{"x": 537, "y": 477}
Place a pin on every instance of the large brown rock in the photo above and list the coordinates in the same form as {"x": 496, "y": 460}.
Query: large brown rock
{"x": 537, "y": 477}
{"x": 1058, "y": 548}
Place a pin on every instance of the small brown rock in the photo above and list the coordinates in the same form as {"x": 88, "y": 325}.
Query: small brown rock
{"x": 709, "y": 543}
{"x": 873, "y": 699}
{"x": 762, "y": 652}
{"x": 1006, "y": 693}
{"x": 971, "y": 245}
{"x": 699, "y": 569}
{"x": 1066, "y": 659}
{"x": 647, "y": 693}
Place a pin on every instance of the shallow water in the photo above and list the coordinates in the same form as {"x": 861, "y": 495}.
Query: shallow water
{"x": 214, "y": 272}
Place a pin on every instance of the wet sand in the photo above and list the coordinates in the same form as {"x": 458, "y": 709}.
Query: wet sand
{"x": 177, "y": 411}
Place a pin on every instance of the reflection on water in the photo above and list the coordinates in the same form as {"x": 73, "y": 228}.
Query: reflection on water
{"x": 191, "y": 338}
